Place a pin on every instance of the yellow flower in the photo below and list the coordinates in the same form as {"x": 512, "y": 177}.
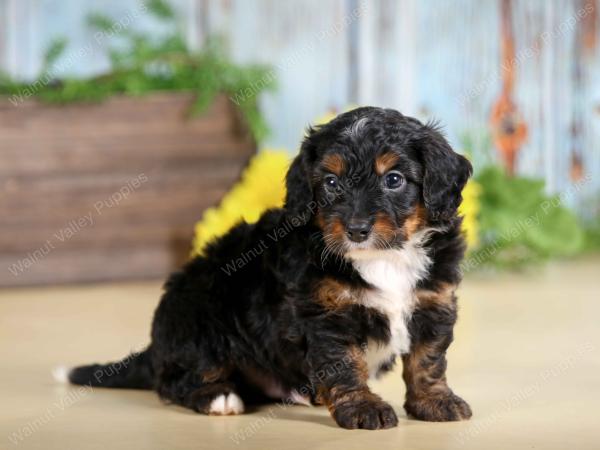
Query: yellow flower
{"x": 262, "y": 186}
{"x": 469, "y": 209}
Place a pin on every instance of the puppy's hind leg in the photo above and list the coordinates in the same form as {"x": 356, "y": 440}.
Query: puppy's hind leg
{"x": 207, "y": 392}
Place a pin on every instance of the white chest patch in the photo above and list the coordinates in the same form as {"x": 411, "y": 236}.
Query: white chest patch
{"x": 394, "y": 275}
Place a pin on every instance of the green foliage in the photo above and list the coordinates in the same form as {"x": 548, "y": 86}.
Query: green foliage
{"x": 520, "y": 224}
{"x": 99, "y": 22}
{"x": 592, "y": 236}
{"x": 590, "y": 204}
{"x": 142, "y": 63}
{"x": 53, "y": 52}
{"x": 161, "y": 9}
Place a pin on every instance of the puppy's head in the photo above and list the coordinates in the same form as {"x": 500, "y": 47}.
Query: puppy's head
{"x": 372, "y": 177}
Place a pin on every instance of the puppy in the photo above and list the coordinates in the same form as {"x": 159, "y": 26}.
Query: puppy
{"x": 357, "y": 270}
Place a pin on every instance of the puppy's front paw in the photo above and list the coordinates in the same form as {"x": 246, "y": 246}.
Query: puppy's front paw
{"x": 446, "y": 407}
{"x": 366, "y": 414}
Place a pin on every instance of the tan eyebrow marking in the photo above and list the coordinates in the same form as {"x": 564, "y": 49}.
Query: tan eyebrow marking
{"x": 334, "y": 163}
{"x": 385, "y": 162}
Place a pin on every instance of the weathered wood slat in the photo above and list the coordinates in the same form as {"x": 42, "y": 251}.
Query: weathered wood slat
{"x": 58, "y": 209}
{"x": 113, "y": 111}
{"x": 101, "y": 233}
{"x": 111, "y": 190}
{"x": 67, "y": 156}
{"x": 127, "y": 263}
{"x": 153, "y": 132}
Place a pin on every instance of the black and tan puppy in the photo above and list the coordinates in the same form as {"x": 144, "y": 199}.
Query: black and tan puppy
{"x": 358, "y": 269}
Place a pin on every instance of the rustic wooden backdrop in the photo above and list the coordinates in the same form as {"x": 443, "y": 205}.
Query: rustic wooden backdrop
{"x": 436, "y": 58}
{"x": 81, "y": 202}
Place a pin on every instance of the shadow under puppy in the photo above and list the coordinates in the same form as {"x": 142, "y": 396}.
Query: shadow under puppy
{"x": 358, "y": 268}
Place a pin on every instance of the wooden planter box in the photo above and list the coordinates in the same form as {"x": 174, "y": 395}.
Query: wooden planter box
{"x": 110, "y": 191}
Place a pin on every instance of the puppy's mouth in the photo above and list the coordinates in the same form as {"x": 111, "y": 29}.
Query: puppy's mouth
{"x": 345, "y": 247}
{"x": 373, "y": 241}
{"x": 359, "y": 238}
{"x": 374, "y": 244}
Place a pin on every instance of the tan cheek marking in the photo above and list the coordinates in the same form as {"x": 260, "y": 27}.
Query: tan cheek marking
{"x": 334, "y": 163}
{"x": 384, "y": 227}
{"x": 336, "y": 229}
{"x": 415, "y": 221}
{"x": 384, "y": 162}
{"x": 320, "y": 221}
{"x": 333, "y": 232}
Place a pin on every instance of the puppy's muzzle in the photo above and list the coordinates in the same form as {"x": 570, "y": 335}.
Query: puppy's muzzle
{"x": 358, "y": 230}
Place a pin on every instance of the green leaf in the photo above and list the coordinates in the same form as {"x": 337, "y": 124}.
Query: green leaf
{"x": 100, "y": 22}
{"x": 161, "y": 9}
{"x": 53, "y": 52}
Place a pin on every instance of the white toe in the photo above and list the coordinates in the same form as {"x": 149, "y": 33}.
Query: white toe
{"x": 61, "y": 374}
{"x": 235, "y": 405}
{"x": 217, "y": 406}
{"x": 226, "y": 404}
{"x": 299, "y": 399}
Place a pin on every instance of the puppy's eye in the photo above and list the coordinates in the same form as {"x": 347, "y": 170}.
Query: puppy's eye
{"x": 331, "y": 181}
{"x": 393, "y": 180}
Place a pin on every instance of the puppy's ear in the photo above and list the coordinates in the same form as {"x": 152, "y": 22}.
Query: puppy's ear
{"x": 445, "y": 174}
{"x": 299, "y": 197}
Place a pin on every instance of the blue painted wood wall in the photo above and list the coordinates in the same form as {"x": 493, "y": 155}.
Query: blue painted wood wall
{"x": 438, "y": 58}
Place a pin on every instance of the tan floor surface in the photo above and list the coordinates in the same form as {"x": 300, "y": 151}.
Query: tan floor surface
{"x": 526, "y": 357}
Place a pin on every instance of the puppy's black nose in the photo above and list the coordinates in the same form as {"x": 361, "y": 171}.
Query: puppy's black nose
{"x": 358, "y": 230}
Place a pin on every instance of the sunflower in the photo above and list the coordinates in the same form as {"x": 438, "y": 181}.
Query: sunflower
{"x": 261, "y": 187}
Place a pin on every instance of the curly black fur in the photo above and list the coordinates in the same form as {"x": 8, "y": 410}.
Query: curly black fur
{"x": 274, "y": 309}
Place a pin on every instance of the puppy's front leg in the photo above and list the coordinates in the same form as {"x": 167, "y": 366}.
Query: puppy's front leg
{"x": 341, "y": 375}
{"x": 428, "y": 396}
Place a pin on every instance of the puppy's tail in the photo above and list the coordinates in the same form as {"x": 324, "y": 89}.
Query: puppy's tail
{"x": 132, "y": 372}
